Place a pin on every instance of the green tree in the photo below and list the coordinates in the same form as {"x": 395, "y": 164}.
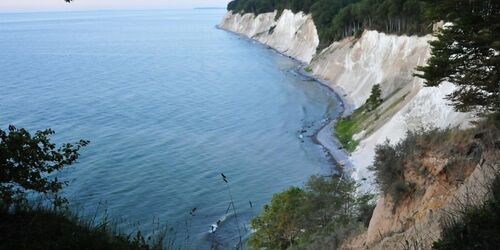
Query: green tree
{"x": 327, "y": 209}
{"x": 279, "y": 225}
{"x": 466, "y": 53}
{"x": 336, "y": 19}
{"x": 28, "y": 162}
{"x": 375, "y": 98}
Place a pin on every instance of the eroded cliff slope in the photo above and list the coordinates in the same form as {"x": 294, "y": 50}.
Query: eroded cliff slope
{"x": 443, "y": 174}
{"x": 352, "y": 66}
{"x": 292, "y": 34}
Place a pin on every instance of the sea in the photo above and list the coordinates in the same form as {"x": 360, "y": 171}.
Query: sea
{"x": 169, "y": 102}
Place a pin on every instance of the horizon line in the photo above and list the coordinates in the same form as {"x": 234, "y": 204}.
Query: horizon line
{"x": 109, "y": 9}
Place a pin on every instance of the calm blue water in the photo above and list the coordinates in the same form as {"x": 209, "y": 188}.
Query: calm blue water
{"x": 168, "y": 102}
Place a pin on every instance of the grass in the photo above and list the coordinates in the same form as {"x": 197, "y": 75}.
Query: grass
{"x": 359, "y": 120}
{"x": 347, "y": 127}
{"x": 394, "y": 104}
{"x": 308, "y": 69}
{"x": 473, "y": 227}
{"x": 42, "y": 228}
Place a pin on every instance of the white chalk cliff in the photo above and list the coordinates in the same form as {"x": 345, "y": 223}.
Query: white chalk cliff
{"x": 292, "y": 34}
{"x": 352, "y": 66}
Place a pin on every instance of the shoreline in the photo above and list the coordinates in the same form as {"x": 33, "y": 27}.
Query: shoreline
{"x": 324, "y": 135}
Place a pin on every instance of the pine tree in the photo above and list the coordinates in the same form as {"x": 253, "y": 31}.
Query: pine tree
{"x": 467, "y": 53}
{"x": 375, "y": 98}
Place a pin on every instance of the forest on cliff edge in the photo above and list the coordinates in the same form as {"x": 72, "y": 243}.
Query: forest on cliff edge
{"x": 336, "y": 19}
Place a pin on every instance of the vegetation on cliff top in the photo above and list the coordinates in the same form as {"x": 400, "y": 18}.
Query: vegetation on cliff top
{"x": 463, "y": 149}
{"x": 27, "y": 227}
{"x": 475, "y": 227}
{"x": 27, "y": 162}
{"x": 336, "y": 19}
{"x": 28, "y": 167}
{"x": 329, "y": 210}
{"x": 319, "y": 216}
{"x": 467, "y": 53}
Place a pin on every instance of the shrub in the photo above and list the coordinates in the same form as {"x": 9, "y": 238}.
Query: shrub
{"x": 462, "y": 149}
{"x": 324, "y": 213}
{"x": 345, "y": 129}
{"x": 474, "y": 227}
{"x": 42, "y": 228}
{"x": 27, "y": 162}
{"x": 279, "y": 225}
{"x": 389, "y": 163}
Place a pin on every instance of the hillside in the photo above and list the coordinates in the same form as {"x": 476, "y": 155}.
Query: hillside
{"x": 439, "y": 175}
{"x": 431, "y": 147}
{"x": 352, "y": 66}
{"x": 338, "y": 19}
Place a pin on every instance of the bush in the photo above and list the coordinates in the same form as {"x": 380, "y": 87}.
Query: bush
{"x": 27, "y": 162}
{"x": 346, "y": 128}
{"x": 41, "y": 228}
{"x": 477, "y": 229}
{"x": 390, "y": 160}
{"x": 324, "y": 213}
{"x": 280, "y": 224}
{"x": 462, "y": 149}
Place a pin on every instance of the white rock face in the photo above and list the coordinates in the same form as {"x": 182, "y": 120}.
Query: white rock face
{"x": 376, "y": 58}
{"x": 292, "y": 34}
{"x": 427, "y": 109}
{"x": 352, "y": 66}
{"x": 355, "y": 66}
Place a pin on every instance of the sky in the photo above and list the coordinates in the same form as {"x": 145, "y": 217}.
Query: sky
{"x": 53, "y": 5}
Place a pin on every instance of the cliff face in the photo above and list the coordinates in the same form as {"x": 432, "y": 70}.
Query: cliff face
{"x": 292, "y": 34}
{"x": 416, "y": 224}
{"x": 356, "y": 65}
{"x": 449, "y": 173}
{"x": 352, "y": 66}
{"x": 419, "y": 108}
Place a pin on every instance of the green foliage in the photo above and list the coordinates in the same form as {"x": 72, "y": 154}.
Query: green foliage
{"x": 467, "y": 53}
{"x": 473, "y": 227}
{"x": 278, "y": 227}
{"x": 389, "y": 163}
{"x": 346, "y": 128}
{"x": 326, "y": 210}
{"x": 336, "y": 19}
{"x": 462, "y": 149}
{"x": 375, "y": 98}
{"x": 28, "y": 162}
{"x": 40, "y": 228}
